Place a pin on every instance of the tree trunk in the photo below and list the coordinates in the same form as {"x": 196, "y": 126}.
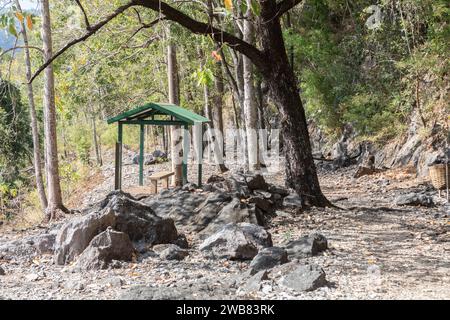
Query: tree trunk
{"x": 174, "y": 97}
{"x": 53, "y": 182}
{"x": 98, "y": 155}
{"x": 301, "y": 173}
{"x": 216, "y": 148}
{"x": 218, "y": 100}
{"x": 34, "y": 122}
{"x": 250, "y": 108}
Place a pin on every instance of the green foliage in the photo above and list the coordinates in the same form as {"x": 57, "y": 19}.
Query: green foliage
{"x": 350, "y": 73}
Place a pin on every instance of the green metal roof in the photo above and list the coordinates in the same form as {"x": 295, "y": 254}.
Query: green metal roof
{"x": 150, "y": 109}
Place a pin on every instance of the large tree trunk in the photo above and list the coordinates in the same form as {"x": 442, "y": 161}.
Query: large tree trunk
{"x": 301, "y": 173}
{"x": 34, "y": 122}
{"x": 174, "y": 97}
{"x": 250, "y": 108}
{"x": 51, "y": 151}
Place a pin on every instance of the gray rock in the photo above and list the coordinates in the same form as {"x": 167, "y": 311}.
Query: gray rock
{"x": 268, "y": 258}
{"x": 305, "y": 278}
{"x": 123, "y": 214}
{"x": 2, "y": 271}
{"x": 293, "y": 201}
{"x": 186, "y": 291}
{"x": 256, "y": 181}
{"x": 414, "y": 199}
{"x": 233, "y": 212}
{"x": 76, "y": 235}
{"x": 306, "y": 246}
{"x": 104, "y": 248}
{"x": 45, "y": 243}
{"x": 32, "y": 277}
{"x": 173, "y": 252}
{"x": 254, "y": 283}
{"x": 181, "y": 241}
{"x": 237, "y": 241}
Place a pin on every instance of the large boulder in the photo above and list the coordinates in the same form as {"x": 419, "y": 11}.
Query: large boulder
{"x": 268, "y": 258}
{"x": 237, "y": 241}
{"x": 305, "y": 278}
{"x": 306, "y": 246}
{"x": 123, "y": 214}
{"x": 104, "y": 248}
{"x": 414, "y": 199}
{"x": 76, "y": 235}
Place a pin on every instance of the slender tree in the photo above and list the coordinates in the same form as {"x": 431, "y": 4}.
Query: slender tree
{"x": 34, "y": 121}
{"x": 51, "y": 147}
{"x": 174, "y": 97}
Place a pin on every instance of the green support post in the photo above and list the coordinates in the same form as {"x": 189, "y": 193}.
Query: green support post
{"x": 119, "y": 166}
{"x": 185, "y": 152}
{"x": 198, "y": 129}
{"x": 141, "y": 156}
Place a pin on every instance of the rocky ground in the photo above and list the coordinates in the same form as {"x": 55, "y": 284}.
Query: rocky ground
{"x": 387, "y": 240}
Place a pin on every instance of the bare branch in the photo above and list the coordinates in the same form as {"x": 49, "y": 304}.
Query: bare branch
{"x": 21, "y": 47}
{"x": 286, "y": 5}
{"x": 86, "y": 20}
{"x": 84, "y": 37}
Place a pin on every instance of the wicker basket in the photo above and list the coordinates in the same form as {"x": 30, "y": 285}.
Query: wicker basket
{"x": 439, "y": 175}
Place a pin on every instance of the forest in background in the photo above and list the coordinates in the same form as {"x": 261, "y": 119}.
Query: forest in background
{"x": 371, "y": 76}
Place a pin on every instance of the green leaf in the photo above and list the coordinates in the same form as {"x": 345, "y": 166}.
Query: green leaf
{"x": 12, "y": 30}
{"x": 256, "y": 7}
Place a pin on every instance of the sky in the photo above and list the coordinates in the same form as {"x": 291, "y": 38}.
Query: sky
{"x": 28, "y": 4}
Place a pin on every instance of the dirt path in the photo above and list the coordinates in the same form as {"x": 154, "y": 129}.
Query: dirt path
{"x": 377, "y": 250}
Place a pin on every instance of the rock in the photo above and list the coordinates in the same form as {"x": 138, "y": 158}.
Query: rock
{"x": 237, "y": 186}
{"x": 414, "y": 199}
{"x": 45, "y": 243}
{"x": 233, "y": 212}
{"x": 305, "y": 278}
{"x": 186, "y": 291}
{"x": 159, "y": 154}
{"x": 74, "y": 285}
{"x": 237, "y": 241}
{"x": 215, "y": 179}
{"x": 104, "y": 248}
{"x": 364, "y": 171}
{"x": 268, "y": 258}
{"x": 123, "y": 214}
{"x": 76, "y": 235}
{"x": 306, "y": 246}
{"x": 2, "y": 271}
{"x": 149, "y": 159}
{"x": 254, "y": 283}
{"x": 181, "y": 241}
{"x": 293, "y": 201}
{"x": 262, "y": 203}
{"x": 32, "y": 277}
{"x": 173, "y": 252}
{"x": 256, "y": 181}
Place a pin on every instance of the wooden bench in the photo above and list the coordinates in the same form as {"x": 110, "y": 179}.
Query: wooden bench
{"x": 164, "y": 176}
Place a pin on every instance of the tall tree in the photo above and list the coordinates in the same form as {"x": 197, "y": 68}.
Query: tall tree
{"x": 55, "y": 201}
{"x": 174, "y": 97}
{"x": 34, "y": 121}
{"x": 250, "y": 107}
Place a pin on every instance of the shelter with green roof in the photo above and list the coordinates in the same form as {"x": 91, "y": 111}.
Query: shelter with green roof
{"x": 159, "y": 114}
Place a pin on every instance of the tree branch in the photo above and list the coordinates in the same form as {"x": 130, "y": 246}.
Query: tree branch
{"x": 172, "y": 14}
{"x": 197, "y": 27}
{"x": 286, "y": 5}
{"x": 89, "y": 33}
{"x": 21, "y": 47}
{"x": 86, "y": 20}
